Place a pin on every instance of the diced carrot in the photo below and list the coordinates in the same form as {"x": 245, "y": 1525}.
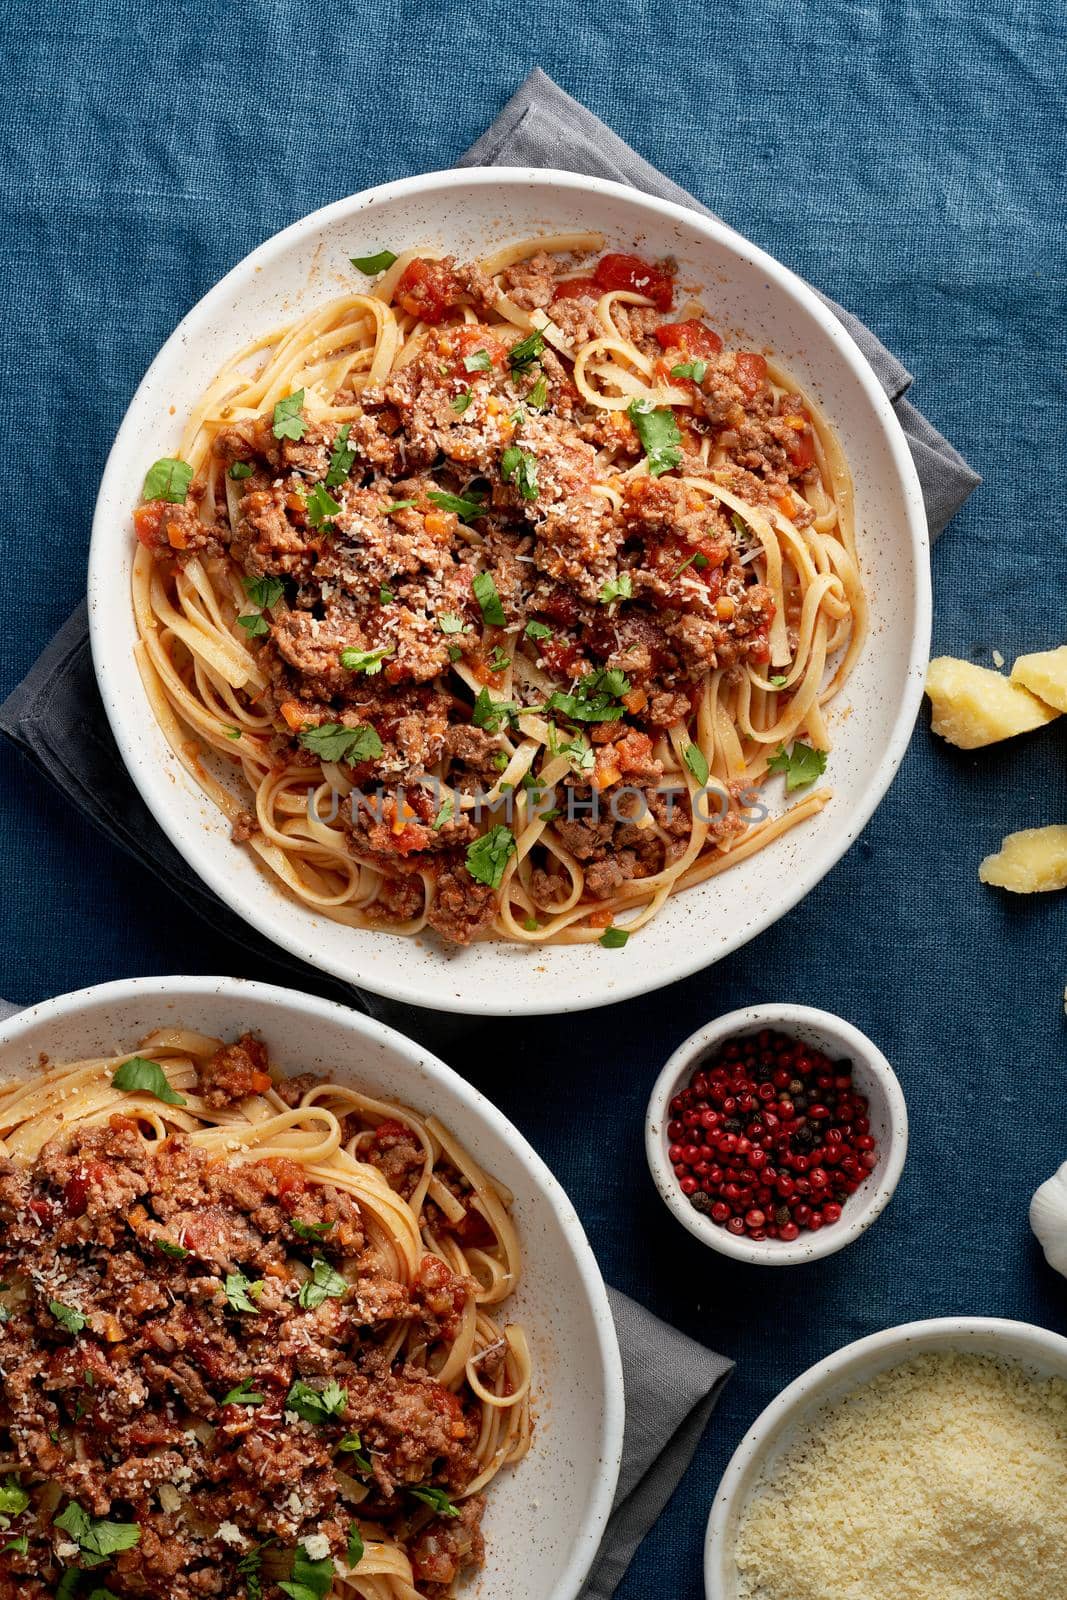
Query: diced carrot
{"x": 724, "y": 608}
{"x": 787, "y": 505}
{"x": 606, "y": 776}
{"x": 493, "y": 405}
{"x": 600, "y": 919}
{"x": 439, "y": 524}
{"x": 293, "y": 714}
{"x": 635, "y": 701}
{"x": 176, "y": 536}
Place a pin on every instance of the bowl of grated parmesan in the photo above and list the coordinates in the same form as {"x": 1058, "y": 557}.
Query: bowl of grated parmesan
{"x": 926, "y": 1462}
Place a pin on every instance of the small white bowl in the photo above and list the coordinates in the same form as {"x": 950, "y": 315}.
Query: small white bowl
{"x": 1042, "y": 1352}
{"x": 873, "y": 1076}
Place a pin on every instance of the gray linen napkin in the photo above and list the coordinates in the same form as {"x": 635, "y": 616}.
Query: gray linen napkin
{"x": 671, "y": 1385}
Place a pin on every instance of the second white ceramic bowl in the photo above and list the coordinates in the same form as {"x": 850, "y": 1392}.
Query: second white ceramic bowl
{"x": 873, "y": 1076}
{"x": 571, "y": 1471}
{"x": 1042, "y": 1352}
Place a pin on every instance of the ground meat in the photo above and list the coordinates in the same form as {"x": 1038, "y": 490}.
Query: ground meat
{"x": 398, "y": 1155}
{"x": 234, "y": 1071}
{"x": 461, "y": 907}
{"x": 446, "y": 1545}
{"x": 484, "y": 494}
{"x": 128, "y": 1398}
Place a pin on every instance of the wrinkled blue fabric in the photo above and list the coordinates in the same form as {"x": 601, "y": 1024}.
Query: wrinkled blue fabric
{"x": 907, "y": 159}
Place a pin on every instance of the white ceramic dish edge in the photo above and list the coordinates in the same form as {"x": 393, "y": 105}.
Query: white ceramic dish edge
{"x": 829, "y": 1379}
{"x": 564, "y": 978}
{"x": 232, "y": 1003}
{"x": 874, "y": 1077}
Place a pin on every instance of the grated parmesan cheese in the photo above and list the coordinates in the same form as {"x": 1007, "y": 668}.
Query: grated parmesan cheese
{"x": 944, "y": 1478}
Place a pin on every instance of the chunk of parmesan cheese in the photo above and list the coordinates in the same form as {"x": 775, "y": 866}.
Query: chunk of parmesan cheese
{"x": 317, "y": 1546}
{"x": 1029, "y": 862}
{"x": 944, "y": 1478}
{"x": 974, "y": 706}
{"x": 1045, "y": 674}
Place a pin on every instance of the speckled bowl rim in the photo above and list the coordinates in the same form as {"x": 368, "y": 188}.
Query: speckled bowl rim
{"x": 863, "y": 1208}
{"x": 264, "y": 907}
{"x": 545, "y": 1188}
{"x": 857, "y": 1362}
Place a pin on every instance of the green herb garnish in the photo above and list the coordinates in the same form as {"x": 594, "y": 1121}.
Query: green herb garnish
{"x": 538, "y": 630}
{"x": 596, "y": 697}
{"x": 324, "y": 1284}
{"x": 342, "y": 458}
{"x": 244, "y": 1395}
{"x": 488, "y": 856}
{"x": 620, "y": 588}
{"x": 485, "y": 592}
{"x": 520, "y": 468}
{"x": 491, "y": 714}
{"x": 527, "y": 350}
{"x": 321, "y": 506}
{"x": 464, "y": 508}
{"x": 316, "y": 1405}
{"x": 436, "y": 1498}
{"x": 239, "y": 1292}
{"x": 168, "y": 479}
{"x": 254, "y": 623}
{"x": 658, "y": 432}
{"x": 288, "y": 417}
{"x": 801, "y": 765}
{"x": 371, "y": 265}
{"x": 147, "y": 1077}
{"x": 613, "y": 938}
{"x": 697, "y": 762}
{"x": 332, "y": 741}
{"x": 460, "y": 402}
{"x": 694, "y": 370}
{"x": 95, "y": 1536}
{"x": 478, "y": 362}
{"x": 264, "y": 592}
{"x": 366, "y": 661}
{"x": 241, "y": 469}
{"x": 310, "y": 1230}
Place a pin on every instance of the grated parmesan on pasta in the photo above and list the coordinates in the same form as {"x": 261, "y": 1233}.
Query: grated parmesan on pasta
{"x": 944, "y": 1478}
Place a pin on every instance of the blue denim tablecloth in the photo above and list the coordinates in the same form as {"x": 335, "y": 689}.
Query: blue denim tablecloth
{"x": 907, "y": 159}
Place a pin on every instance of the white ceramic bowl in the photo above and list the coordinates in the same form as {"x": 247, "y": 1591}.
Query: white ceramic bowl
{"x": 873, "y": 1076}
{"x": 1044, "y": 1353}
{"x": 545, "y": 1519}
{"x": 753, "y": 300}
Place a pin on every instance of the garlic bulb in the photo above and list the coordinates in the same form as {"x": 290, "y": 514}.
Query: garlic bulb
{"x": 1048, "y": 1218}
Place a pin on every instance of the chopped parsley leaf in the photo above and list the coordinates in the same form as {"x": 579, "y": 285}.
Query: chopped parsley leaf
{"x": 448, "y": 622}
{"x": 241, "y": 469}
{"x": 366, "y": 661}
{"x": 311, "y": 1580}
{"x": 461, "y": 401}
{"x": 445, "y": 813}
{"x": 316, "y": 1405}
{"x": 244, "y": 1395}
{"x": 95, "y": 1536}
{"x": 396, "y": 505}
{"x": 532, "y": 925}
{"x": 288, "y": 417}
{"x": 464, "y": 508}
{"x": 538, "y": 630}
{"x": 527, "y": 350}
{"x": 332, "y": 741}
{"x": 657, "y": 429}
{"x": 352, "y": 1445}
{"x": 239, "y": 1293}
{"x": 501, "y": 760}
{"x": 263, "y": 592}
{"x": 520, "y": 468}
{"x": 485, "y": 592}
{"x": 385, "y": 595}
{"x": 254, "y": 623}
{"x": 801, "y": 765}
{"x": 695, "y": 370}
{"x": 614, "y": 938}
{"x": 321, "y": 506}
{"x": 310, "y": 1230}
{"x": 538, "y": 395}
{"x": 13, "y": 1498}
{"x": 697, "y": 559}
{"x": 778, "y": 681}
{"x": 455, "y": 652}
{"x": 355, "y": 1548}
{"x": 168, "y": 479}
{"x": 499, "y": 660}
{"x": 324, "y": 1284}
{"x": 147, "y": 1076}
{"x": 177, "y": 1252}
{"x": 491, "y": 714}
{"x": 67, "y": 1316}
{"x": 596, "y": 697}
{"x": 697, "y": 762}
{"x": 20, "y": 1547}
{"x": 488, "y": 856}
{"x": 620, "y": 588}
{"x": 342, "y": 458}
{"x": 371, "y": 265}
{"x": 437, "y": 1499}
{"x": 478, "y": 362}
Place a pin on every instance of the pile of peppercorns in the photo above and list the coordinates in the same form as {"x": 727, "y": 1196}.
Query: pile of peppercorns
{"x": 771, "y": 1137}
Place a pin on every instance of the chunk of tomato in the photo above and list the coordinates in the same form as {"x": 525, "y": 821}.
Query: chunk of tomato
{"x": 468, "y": 341}
{"x": 800, "y": 437}
{"x": 576, "y": 289}
{"x": 691, "y": 338}
{"x": 751, "y": 372}
{"x": 428, "y": 289}
{"x": 639, "y": 277}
